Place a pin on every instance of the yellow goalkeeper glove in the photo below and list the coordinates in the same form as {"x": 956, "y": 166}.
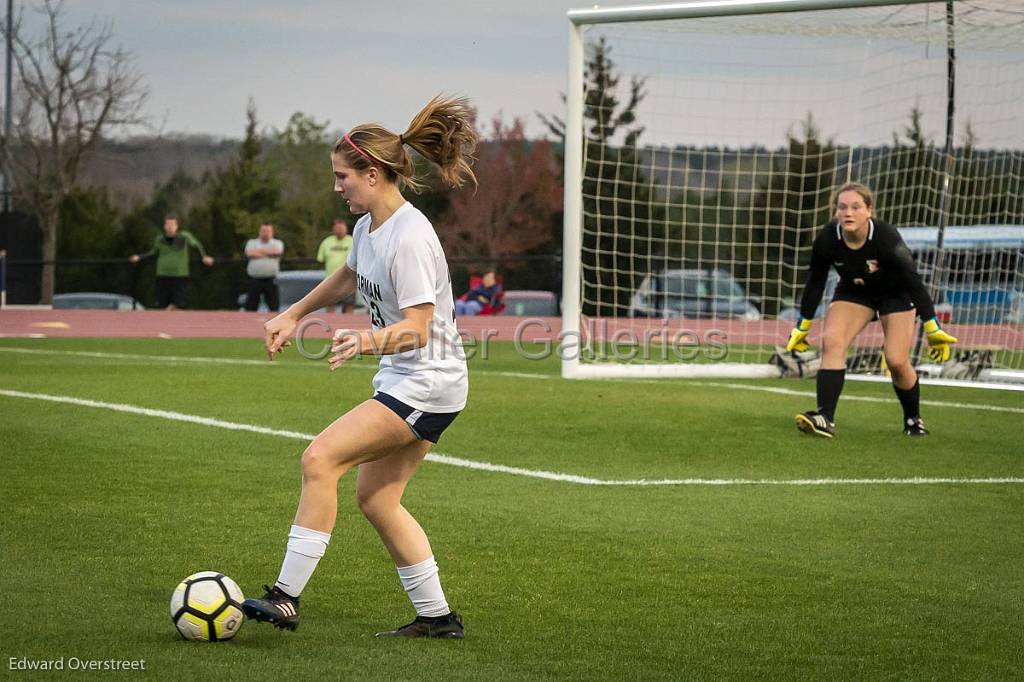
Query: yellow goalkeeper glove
{"x": 798, "y": 337}
{"x": 938, "y": 340}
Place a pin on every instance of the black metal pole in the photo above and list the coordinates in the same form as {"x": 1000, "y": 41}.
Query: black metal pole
{"x": 938, "y": 279}
{"x": 6, "y": 170}
{"x": 946, "y": 193}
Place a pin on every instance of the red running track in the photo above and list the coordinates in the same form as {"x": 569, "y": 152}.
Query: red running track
{"x": 15, "y": 322}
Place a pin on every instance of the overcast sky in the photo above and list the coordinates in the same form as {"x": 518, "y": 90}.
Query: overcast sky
{"x": 351, "y": 62}
{"x": 343, "y": 61}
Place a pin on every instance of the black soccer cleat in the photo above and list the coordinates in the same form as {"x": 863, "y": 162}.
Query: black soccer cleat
{"x": 276, "y": 608}
{"x": 815, "y": 423}
{"x": 914, "y": 427}
{"x": 442, "y": 627}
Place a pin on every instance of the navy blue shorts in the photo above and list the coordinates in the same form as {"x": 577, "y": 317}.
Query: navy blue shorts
{"x": 425, "y": 425}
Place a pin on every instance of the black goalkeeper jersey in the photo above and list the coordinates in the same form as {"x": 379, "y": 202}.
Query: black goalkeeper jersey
{"x": 883, "y": 266}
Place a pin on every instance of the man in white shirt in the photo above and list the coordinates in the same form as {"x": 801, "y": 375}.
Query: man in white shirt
{"x": 264, "y": 254}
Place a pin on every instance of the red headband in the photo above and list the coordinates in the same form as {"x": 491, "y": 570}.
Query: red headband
{"x": 356, "y": 147}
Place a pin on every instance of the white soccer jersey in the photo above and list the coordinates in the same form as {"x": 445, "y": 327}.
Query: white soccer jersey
{"x": 398, "y": 265}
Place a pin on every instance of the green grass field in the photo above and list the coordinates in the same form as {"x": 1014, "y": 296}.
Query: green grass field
{"x": 105, "y": 511}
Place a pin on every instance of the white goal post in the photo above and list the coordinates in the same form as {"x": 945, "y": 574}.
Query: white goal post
{"x": 703, "y": 141}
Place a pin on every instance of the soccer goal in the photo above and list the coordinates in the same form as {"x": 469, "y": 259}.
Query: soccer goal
{"x": 703, "y": 142}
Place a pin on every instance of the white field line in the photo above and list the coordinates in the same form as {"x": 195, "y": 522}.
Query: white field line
{"x": 865, "y": 398}
{"x": 522, "y": 375}
{"x": 170, "y": 359}
{"x": 515, "y": 471}
{"x": 161, "y": 414}
{"x": 135, "y": 356}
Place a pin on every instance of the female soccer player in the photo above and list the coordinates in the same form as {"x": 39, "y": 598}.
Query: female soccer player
{"x": 877, "y": 277}
{"x": 399, "y": 267}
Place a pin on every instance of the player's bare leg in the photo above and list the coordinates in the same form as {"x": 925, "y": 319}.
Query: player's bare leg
{"x": 380, "y": 488}
{"x": 379, "y": 491}
{"x": 366, "y": 432}
{"x": 843, "y": 322}
{"x": 899, "y": 331}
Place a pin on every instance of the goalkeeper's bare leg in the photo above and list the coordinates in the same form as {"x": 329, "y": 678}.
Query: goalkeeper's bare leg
{"x": 843, "y": 322}
{"x": 899, "y": 329}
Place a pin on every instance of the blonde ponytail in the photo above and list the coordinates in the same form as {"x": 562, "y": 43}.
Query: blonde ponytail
{"x": 442, "y": 132}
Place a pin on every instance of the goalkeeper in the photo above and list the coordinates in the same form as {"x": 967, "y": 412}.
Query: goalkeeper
{"x": 877, "y": 278}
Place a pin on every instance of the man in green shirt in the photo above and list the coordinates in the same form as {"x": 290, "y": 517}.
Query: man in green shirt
{"x": 172, "y": 256}
{"x": 333, "y": 253}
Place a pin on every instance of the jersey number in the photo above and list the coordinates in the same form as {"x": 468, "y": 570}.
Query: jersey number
{"x": 452, "y": 291}
{"x": 375, "y": 316}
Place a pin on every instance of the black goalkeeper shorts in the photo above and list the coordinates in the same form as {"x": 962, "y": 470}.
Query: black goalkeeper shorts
{"x": 883, "y": 304}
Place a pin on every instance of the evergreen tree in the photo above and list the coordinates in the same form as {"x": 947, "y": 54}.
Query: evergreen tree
{"x": 299, "y": 156}
{"x": 91, "y": 229}
{"x": 623, "y": 235}
{"x": 239, "y": 197}
{"x": 793, "y": 203}
{"x": 908, "y": 192}
{"x": 967, "y": 186}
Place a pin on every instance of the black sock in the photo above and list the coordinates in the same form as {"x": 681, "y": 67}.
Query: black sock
{"x": 830, "y": 385}
{"x": 910, "y": 399}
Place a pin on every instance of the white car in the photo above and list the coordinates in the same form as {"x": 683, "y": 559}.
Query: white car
{"x": 292, "y": 285}
{"x": 93, "y": 300}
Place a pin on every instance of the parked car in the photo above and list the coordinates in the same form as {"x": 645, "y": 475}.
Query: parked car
{"x": 792, "y": 310}
{"x": 292, "y": 285}
{"x": 531, "y": 303}
{"x": 693, "y": 294}
{"x": 94, "y": 300}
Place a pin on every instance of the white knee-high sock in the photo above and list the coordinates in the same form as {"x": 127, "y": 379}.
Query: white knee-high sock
{"x": 423, "y": 585}
{"x": 305, "y": 547}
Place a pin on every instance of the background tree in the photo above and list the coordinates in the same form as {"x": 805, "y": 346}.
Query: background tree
{"x": 986, "y": 190}
{"x": 239, "y": 196}
{"x": 299, "y": 156}
{"x": 512, "y": 210}
{"x": 91, "y": 229}
{"x": 907, "y": 192}
{"x": 794, "y": 201}
{"x": 967, "y": 186}
{"x": 623, "y": 234}
{"x": 72, "y": 87}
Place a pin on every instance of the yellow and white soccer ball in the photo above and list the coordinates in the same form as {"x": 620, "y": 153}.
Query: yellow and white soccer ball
{"x": 207, "y": 607}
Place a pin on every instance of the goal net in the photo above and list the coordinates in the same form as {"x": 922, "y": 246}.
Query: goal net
{"x": 704, "y": 142}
